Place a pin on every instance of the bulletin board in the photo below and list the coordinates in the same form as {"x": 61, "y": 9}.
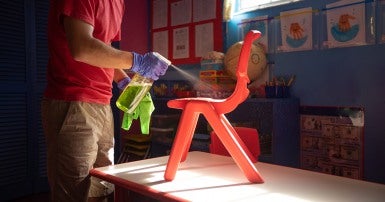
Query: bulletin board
{"x": 185, "y": 30}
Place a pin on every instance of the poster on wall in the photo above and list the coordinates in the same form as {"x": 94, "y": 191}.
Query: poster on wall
{"x": 160, "y": 43}
{"x": 181, "y": 12}
{"x": 204, "y": 39}
{"x": 181, "y": 43}
{"x": 204, "y": 10}
{"x": 159, "y": 16}
{"x": 345, "y": 23}
{"x": 259, "y": 23}
{"x": 296, "y": 30}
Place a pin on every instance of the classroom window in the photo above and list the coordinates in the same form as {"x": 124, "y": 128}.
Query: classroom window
{"x": 247, "y": 5}
{"x": 232, "y": 7}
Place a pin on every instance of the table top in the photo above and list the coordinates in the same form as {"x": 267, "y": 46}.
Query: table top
{"x": 209, "y": 177}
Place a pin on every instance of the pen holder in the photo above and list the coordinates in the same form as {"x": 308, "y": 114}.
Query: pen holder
{"x": 277, "y": 91}
{"x": 270, "y": 91}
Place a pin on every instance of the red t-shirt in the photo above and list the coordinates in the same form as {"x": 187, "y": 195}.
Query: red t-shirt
{"x": 68, "y": 79}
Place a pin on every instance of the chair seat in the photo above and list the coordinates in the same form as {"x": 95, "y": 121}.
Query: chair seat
{"x": 181, "y": 103}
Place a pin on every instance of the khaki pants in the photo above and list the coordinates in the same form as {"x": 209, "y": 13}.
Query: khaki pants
{"x": 79, "y": 137}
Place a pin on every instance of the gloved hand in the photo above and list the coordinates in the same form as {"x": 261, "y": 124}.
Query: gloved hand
{"x": 149, "y": 65}
{"x": 123, "y": 83}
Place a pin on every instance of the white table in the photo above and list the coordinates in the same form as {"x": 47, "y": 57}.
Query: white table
{"x": 210, "y": 177}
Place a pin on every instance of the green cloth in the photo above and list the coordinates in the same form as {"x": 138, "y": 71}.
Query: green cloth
{"x": 143, "y": 111}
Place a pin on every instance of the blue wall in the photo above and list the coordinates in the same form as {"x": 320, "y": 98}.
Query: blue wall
{"x": 351, "y": 76}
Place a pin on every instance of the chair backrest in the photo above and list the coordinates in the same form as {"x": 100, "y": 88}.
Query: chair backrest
{"x": 240, "y": 92}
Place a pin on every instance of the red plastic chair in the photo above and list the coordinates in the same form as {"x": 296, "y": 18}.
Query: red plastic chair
{"x": 214, "y": 111}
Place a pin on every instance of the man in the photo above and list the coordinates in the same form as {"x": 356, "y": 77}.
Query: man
{"x": 76, "y": 111}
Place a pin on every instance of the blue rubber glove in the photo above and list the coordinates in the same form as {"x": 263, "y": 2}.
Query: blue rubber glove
{"x": 149, "y": 65}
{"x": 123, "y": 83}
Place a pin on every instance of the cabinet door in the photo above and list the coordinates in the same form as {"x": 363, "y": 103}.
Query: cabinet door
{"x": 286, "y": 137}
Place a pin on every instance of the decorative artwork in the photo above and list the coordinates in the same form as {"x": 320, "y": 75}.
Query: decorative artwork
{"x": 296, "y": 30}
{"x": 258, "y": 23}
{"x": 345, "y": 23}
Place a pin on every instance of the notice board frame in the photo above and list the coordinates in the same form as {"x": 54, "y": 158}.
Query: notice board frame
{"x": 192, "y": 58}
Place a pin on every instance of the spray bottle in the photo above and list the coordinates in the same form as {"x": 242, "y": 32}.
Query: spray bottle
{"x": 134, "y": 92}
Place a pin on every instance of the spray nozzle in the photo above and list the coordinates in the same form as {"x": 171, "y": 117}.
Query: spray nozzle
{"x": 168, "y": 62}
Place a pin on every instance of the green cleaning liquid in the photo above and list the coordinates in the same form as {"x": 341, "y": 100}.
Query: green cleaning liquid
{"x": 134, "y": 92}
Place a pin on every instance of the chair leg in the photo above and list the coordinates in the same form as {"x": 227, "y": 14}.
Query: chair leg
{"x": 183, "y": 137}
{"x": 193, "y": 122}
{"x": 233, "y": 144}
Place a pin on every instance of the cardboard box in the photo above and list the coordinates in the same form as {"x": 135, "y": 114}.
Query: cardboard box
{"x": 213, "y": 64}
{"x": 213, "y": 73}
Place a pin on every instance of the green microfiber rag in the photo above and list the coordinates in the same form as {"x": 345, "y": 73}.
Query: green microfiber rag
{"x": 143, "y": 111}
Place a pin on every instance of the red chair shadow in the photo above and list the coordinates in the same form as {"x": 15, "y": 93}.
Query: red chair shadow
{"x": 214, "y": 111}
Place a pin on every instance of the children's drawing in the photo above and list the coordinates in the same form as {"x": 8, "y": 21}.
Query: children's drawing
{"x": 343, "y": 31}
{"x": 296, "y": 39}
{"x": 346, "y": 23}
{"x": 296, "y": 29}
